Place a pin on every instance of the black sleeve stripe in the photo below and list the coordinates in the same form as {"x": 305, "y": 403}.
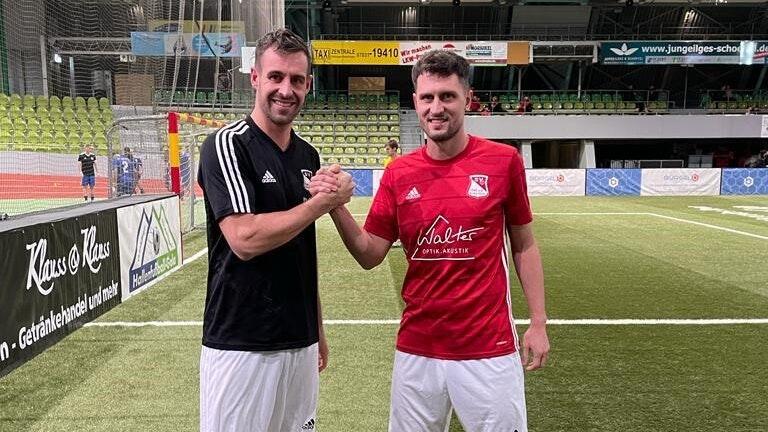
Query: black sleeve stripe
{"x": 228, "y": 163}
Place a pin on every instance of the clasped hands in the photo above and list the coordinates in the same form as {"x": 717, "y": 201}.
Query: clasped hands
{"x": 332, "y": 186}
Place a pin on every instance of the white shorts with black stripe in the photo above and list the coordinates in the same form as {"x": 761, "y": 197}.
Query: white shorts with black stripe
{"x": 265, "y": 391}
{"x": 487, "y": 394}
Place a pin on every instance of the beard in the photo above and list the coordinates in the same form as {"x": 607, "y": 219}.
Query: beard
{"x": 442, "y": 135}
{"x": 278, "y": 114}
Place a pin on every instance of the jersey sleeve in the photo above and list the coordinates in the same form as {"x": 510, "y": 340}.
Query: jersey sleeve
{"x": 223, "y": 178}
{"x": 80, "y": 157}
{"x": 517, "y": 209}
{"x": 382, "y": 218}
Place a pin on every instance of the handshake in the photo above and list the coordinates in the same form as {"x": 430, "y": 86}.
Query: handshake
{"x": 331, "y": 187}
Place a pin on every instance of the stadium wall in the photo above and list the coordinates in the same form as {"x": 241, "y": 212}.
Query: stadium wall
{"x": 590, "y": 127}
{"x": 66, "y": 267}
{"x": 624, "y": 182}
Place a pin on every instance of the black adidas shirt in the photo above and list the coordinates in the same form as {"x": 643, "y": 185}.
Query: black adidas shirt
{"x": 269, "y": 302}
{"x": 87, "y": 162}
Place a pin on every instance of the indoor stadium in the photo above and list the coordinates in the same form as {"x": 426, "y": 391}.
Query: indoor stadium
{"x": 642, "y": 127}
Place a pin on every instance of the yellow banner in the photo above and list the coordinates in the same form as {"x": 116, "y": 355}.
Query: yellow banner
{"x": 355, "y": 52}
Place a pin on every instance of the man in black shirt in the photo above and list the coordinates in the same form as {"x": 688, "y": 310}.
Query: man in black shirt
{"x": 87, "y": 162}
{"x": 263, "y": 341}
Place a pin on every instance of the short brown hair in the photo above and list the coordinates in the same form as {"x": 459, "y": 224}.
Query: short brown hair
{"x": 442, "y": 63}
{"x": 283, "y": 41}
{"x": 393, "y": 144}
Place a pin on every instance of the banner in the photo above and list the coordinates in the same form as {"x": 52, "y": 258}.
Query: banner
{"x": 189, "y": 26}
{"x": 56, "y": 277}
{"x": 150, "y": 243}
{"x": 670, "y": 52}
{"x": 376, "y": 180}
{"x": 613, "y": 182}
{"x": 363, "y": 181}
{"x": 160, "y": 44}
{"x": 555, "y": 182}
{"x": 247, "y": 58}
{"x": 476, "y": 53}
{"x": 744, "y": 181}
{"x": 764, "y": 126}
{"x": 327, "y": 52}
{"x": 754, "y": 52}
{"x": 680, "y": 181}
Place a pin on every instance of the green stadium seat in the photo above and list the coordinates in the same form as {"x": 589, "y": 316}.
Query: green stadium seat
{"x": 4, "y": 99}
{"x": 104, "y": 104}
{"x": 15, "y": 100}
{"x": 60, "y": 138}
{"x": 92, "y": 103}
{"x": 67, "y": 102}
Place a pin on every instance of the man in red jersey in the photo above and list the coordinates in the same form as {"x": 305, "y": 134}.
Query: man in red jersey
{"x": 450, "y": 203}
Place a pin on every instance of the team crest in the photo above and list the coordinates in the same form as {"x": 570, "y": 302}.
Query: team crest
{"x": 478, "y": 186}
{"x": 307, "y": 174}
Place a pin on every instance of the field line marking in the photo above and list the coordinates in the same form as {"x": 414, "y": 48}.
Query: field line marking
{"x": 557, "y": 322}
{"x": 590, "y": 213}
{"x": 730, "y": 230}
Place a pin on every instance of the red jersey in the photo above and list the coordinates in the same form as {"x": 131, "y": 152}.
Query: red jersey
{"x": 450, "y": 217}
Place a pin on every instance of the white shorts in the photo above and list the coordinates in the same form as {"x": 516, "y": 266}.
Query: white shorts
{"x": 265, "y": 391}
{"x": 487, "y": 394}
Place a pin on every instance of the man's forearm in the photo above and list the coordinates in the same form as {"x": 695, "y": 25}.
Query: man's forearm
{"x": 251, "y": 235}
{"x": 357, "y": 240}
{"x": 531, "y": 275}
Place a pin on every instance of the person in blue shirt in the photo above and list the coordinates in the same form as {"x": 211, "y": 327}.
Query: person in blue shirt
{"x": 127, "y": 171}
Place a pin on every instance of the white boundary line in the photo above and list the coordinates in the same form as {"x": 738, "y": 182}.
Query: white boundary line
{"x": 557, "y": 322}
{"x": 589, "y": 213}
{"x": 730, "y": 230}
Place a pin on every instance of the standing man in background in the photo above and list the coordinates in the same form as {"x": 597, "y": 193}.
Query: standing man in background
{"x": 87, "y": 162}
{"x": 451, "y": 204}
{"x": 263, "y": 339}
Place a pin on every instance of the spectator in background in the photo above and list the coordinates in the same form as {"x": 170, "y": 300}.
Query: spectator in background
{"x": 754, "y": 161}
{"x": 727, "y": 92}
{"x": 139, "y": 164}
{"x": 392, "y": 148}
{"x": 525, "y": 105}
{"x": 126, "y": 169}
{"x": 474, "y": 104}
{"x": 496, "y": 106}
{"x": 87, "y": 162}
{"x": 722, "y": 158}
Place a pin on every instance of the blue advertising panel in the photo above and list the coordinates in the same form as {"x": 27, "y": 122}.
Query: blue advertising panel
{"x": 613, "y": 182}
{"x": 744, "y": 181}
{"x": 186, "y": 44}
{"x": 363, "y": 181}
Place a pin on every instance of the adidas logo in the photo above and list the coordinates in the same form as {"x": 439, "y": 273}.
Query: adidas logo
{"x": 310, "y": 425}
{"x": 413, "y": 194}
{"x": 268, "y": 178}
